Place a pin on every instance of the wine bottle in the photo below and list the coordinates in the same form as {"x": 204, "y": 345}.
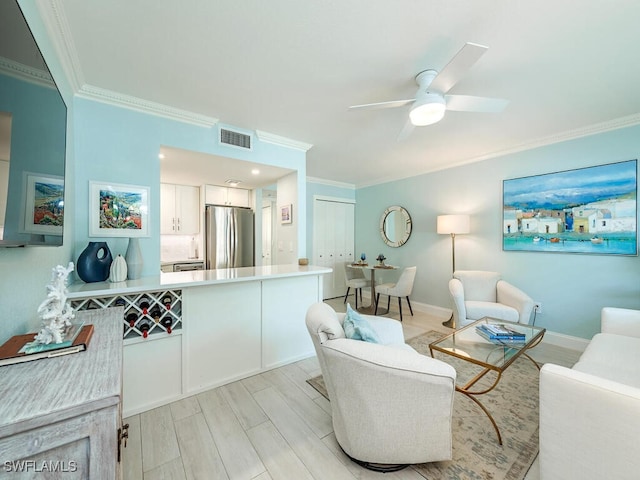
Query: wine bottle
{"x": 166, "y": 301}
{"x": 120, "y": 302}
{"x": 131, "y": 317}
{"x": 144, "y": 327}
{"x": 156, "y": 314}
{"x": 144, "y": 305}
{"x": 166, "y": 322}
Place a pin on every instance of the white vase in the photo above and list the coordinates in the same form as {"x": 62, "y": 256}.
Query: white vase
{"x": 134, "y": 259}
{"x": 118, "y": 270}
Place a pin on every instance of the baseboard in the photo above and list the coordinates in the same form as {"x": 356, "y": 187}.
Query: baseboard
{"x": 565, "y": 341}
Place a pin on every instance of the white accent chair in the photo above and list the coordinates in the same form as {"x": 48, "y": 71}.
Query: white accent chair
{"x": 478, "y": 294}
{"x": 590, "y": 413}
{"x": 390, "y": 405}
{"x": 402, "y": 288}
{"x": 355, "y": 278}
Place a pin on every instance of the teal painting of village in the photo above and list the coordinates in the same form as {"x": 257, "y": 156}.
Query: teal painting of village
{"x": 588, "y": 210}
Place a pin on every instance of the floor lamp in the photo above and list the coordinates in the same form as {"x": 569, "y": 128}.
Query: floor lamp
{"x": 452, "y": 225}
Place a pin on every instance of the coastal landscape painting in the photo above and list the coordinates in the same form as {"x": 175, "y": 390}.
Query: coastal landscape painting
{"x": 587, "y": 210}
{"x": 119, "y": 210}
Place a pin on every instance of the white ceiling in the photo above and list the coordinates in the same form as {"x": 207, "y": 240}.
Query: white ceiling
{"x": 291, "y": 68}
{"x": 185, "y": 167}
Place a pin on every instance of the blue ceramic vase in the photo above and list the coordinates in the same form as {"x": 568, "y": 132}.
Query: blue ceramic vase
{"x": 94, "y": 262}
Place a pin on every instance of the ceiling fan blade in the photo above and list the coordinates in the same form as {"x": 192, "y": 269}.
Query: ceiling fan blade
{"x": 457, "y": 67}
{"x": 469, "y": 103}
{"x": 405, "y": 132}
{"x": 391, "y": 104}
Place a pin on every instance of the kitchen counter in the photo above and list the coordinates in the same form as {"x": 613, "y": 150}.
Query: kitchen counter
{"x": 193, "y": 278}
{"x": 227, "y": 324}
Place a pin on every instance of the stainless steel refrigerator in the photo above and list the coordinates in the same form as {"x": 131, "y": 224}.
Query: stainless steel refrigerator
{"x": 229, "y": 237}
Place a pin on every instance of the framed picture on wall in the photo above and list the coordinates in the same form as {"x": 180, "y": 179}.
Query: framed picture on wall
{"x": 44, "y": 204}
{"x": 286, "y": 214}
{"x": 589, "y": 210}
{"x": 118, "y": 210}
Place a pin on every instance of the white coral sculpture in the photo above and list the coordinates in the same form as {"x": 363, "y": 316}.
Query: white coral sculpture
{"x": 55, "y": 311}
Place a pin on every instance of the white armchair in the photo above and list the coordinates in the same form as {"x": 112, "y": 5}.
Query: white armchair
{"x": 478, "y": 294}
{"x": 390, "y": 405}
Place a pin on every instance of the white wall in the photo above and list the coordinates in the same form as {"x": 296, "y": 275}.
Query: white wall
{"x": 286, "y": 235}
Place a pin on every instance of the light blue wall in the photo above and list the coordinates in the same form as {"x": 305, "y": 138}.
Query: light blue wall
{"x": 111, "y": 144}
{"x": 118, "y": 145}
{"x": 572, "y": 287}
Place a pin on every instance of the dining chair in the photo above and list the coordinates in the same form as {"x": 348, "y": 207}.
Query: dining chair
{"x": 402, "y": 288}
{"x": 354, "y": 278}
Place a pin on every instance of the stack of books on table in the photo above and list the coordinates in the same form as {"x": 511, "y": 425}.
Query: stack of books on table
{"x": 23, "y": 348}
{"x": 500, "y": 333}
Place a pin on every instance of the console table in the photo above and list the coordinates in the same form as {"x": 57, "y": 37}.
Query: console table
{"x": 62, "y": 415}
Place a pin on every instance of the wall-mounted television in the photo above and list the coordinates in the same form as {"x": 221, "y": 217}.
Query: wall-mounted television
{"x": 33, "y": 119}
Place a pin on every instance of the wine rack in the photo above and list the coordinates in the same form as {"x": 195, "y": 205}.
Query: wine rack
{"x": 146, "y": 314}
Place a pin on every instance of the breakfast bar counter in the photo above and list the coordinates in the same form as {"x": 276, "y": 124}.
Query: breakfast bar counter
{"x": 186, "y": 332}
{"x": 174, "y": 280}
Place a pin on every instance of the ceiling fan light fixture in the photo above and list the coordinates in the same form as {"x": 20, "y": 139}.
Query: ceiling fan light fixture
{"x": 427, "y": 110}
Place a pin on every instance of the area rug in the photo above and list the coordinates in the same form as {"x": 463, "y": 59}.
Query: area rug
{"x": 476, "y": 452}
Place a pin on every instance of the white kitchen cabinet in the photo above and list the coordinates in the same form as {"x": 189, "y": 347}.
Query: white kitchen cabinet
{"x": 234, "y": 197}
{"x": 179, "y": 209}
{"x": 153, "y": 372}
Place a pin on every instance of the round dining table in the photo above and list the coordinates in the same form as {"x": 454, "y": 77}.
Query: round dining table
{"x": 371, "y": 308}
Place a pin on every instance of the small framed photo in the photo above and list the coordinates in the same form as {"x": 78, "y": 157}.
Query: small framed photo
{"x": 44, "y": 204}
{"x": 118, "y": 210}
{"x": 286, "y": 214}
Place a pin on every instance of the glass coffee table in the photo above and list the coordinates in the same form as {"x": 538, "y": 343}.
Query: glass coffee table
{"x": 490, "y": 355}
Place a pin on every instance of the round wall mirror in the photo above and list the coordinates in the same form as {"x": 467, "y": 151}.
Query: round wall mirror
{"x": 395, "y": 226}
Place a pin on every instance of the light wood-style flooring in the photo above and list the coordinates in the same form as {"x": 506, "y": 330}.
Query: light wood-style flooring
{"x": 270, "y": 426}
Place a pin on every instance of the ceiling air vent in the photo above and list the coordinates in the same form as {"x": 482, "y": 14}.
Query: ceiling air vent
{"x": 235, "y": 139}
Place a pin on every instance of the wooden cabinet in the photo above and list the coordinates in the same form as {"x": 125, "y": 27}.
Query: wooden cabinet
{"x": 234, "y": 197}
{"x": 179, "y": 209}
{"x": 63, "y": 414}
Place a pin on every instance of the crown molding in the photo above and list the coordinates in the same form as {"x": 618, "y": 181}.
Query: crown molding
{"x": 595, "y": 129}
{"x": 145, "y": 106}
{"x": 26, "y": 73}
{"x": 331, "y": 183}
{"x": 282, "y": 141}
{"x": 55, "y": 22}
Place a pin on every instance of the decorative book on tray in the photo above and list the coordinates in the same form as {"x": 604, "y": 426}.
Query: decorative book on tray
{"x": 500, "y": 333}
{"x": 22, "y": 348}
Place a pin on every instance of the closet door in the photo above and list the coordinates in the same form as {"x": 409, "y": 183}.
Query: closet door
{"x": 333, "y": 246}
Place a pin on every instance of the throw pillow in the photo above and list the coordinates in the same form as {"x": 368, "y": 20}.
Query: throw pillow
{"x": 357, "y": 328}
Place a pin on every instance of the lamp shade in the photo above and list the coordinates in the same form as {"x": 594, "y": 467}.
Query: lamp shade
{"x": 448, "y": 224}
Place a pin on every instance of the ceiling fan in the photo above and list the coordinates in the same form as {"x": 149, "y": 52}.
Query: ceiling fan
{"x": 431, "y": 101}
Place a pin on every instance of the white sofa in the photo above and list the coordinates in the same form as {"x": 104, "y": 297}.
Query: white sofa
{"x": 390, "y": 405}
{"x": 590, "y": 414}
